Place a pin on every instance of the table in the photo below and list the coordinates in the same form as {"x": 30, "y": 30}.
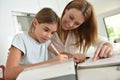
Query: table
{"x": 68, "y": 71}
{"x": 100, "y": 73}
{"x": 54, "y": 71}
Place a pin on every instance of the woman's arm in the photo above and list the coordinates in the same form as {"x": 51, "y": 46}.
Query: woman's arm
{"x": 104, "y": 49}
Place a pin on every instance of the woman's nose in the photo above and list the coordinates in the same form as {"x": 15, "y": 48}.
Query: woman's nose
{"x": 71, "y": 24}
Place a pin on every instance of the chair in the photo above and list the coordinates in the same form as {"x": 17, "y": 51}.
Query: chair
{"x": 2, "y": 70}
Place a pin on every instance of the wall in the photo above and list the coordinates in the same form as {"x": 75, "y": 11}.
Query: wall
{"x": 8, "y": 29}
{"x": 6, "y": 23}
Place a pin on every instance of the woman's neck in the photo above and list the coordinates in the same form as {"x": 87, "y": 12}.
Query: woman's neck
{"x": 65, "y": 35}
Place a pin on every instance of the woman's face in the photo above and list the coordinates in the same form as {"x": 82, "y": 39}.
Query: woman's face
{"x": 72, "y": 19}
{"x": 44, "y": 31}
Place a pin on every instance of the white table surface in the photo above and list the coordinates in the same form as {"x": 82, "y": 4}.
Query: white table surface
{"x": 103, "y": 73}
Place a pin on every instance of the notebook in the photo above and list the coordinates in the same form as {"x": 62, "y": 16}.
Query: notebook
{"x": 53, "y": 71}
{"x": 89, "y": 63}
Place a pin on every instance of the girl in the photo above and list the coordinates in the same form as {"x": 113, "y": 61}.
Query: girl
{"x": 31, "y": 49}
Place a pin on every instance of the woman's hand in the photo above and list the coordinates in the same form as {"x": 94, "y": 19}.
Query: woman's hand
{"x": 78, "y": 58}
{"x": 103, "y": 51}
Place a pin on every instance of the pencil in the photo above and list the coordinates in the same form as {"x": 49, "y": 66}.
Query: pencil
{"x": 55, "y": 49}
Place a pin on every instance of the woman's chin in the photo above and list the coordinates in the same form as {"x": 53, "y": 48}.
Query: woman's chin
{"x": 64, "y": 28}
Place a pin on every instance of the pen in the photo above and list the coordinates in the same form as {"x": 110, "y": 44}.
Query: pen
{"x": 87, "y": 57}
{"x": 55, "y": 49}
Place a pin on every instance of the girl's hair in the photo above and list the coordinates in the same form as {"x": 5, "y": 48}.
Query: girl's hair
{"x": 86, "y": 34}
{"x": 46, "y": 15}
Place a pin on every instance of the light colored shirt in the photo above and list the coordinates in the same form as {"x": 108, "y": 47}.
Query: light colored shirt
{"x": 68, "y": 46}
{"x": 33, "y": 51}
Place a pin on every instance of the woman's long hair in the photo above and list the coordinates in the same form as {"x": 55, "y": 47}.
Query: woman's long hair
{"x": 86, "y": 34}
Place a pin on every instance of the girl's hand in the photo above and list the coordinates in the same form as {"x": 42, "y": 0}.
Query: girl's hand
{"x": 61, "y": 57}
{"x": 78, "y": 58}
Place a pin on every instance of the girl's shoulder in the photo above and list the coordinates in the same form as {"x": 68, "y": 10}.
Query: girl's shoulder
{"x": 21, "y": 35}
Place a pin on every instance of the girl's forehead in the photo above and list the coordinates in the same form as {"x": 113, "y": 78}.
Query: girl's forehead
{"x": 50, "y": 26}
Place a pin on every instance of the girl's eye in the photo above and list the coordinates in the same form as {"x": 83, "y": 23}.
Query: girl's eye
{"x": 46, "y": 30}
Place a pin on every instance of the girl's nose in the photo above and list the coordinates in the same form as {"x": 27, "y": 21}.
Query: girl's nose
{"x": 49, "y": 35}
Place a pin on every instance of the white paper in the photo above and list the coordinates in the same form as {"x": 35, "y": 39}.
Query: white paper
{"x": 48, "y": 71}
{"x": 115, "y": 59}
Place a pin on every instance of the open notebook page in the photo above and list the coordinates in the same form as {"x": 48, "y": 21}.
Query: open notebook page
{"x": 114, "y": 60}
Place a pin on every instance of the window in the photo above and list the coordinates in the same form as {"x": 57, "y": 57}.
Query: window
{"x": 112, "y": 24}
{"x": 22, "y": 21}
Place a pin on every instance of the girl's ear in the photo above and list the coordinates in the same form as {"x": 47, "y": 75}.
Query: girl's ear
{"x": 35, "y": 22}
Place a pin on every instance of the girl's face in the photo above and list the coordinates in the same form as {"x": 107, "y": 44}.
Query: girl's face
{"x": 44, "y": 31}
{"x": 72, "y": 19}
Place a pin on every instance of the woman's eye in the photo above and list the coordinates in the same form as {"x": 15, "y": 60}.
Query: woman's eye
{"x": 71, "y": 17}
{"x": 52, "y": 32}
{"x": 77, "y": 23}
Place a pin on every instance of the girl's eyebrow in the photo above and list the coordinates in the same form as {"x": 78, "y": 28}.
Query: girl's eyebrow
{"x": 48, "y": 28}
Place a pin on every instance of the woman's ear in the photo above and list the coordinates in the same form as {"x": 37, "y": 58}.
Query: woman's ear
{"x": 66, "y": 10}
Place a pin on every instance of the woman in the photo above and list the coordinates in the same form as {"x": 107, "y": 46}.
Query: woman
{"x": 79, "y": 30}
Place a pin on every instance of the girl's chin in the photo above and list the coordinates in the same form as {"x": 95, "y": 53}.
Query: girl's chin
{"x": 42, "y": 41}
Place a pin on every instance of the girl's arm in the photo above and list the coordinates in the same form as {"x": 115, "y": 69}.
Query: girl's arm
{"x": 76, "y": 56}
{"x": 13, "y": 69}
{"x": 56, "y": 51}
